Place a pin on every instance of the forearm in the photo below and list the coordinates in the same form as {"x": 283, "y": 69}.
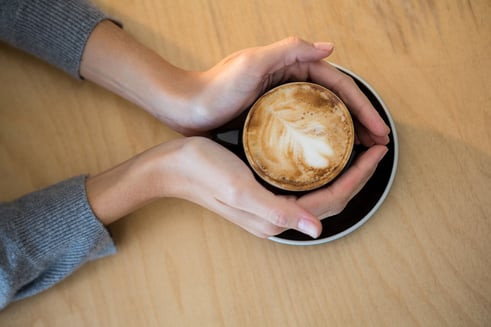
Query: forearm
{"x": 116, "y": 61}
{"x": 134, "y": 183}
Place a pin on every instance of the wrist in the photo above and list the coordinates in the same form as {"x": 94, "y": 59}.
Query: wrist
{"x": 120, "y": 190}
{"x": 116, "y": 61}
{"x": 178, "y": 99}
{"x": 136, "y": 182}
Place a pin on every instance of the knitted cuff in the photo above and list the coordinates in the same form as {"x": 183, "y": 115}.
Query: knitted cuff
{"x": 55, "y": 31}
{"x": 51, "y": 233}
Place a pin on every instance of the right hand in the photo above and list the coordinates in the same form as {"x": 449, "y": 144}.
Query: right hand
{"x": 206, "y": 173}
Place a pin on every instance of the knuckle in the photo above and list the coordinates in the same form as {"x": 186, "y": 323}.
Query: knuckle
{"x": 234, "y": 192}
{"x": 345, "y": 81}
{"x": 339, "y": 207}
{"x": 244, "y": 59}
{"x": 336, "y": 206}
{"x": 237, "y": 190}
{"x": 278, "y": 218}
{"x": 349, "y": 79}
{"x": 293, "y": 40}
{"x": 292, "y": 43}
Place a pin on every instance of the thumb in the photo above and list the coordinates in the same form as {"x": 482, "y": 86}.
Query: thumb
{"x": 281, "y": 212}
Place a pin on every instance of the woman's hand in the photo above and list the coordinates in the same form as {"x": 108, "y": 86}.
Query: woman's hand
{"x": 212, "y": 176}
{"x": 233, "y": 84}
{"x": 201, "y": 171}
{"x": 195, "y": 102}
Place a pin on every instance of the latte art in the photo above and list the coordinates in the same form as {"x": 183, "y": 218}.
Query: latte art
{"x": 298, "y": 136}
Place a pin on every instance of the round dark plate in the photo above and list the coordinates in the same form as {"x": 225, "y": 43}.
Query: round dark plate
{"x": 363, "y": 206}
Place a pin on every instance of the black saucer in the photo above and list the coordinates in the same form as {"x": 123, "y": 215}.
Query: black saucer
{"x": 364, "y": 204}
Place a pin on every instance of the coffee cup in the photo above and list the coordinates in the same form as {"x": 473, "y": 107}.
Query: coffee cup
{"x": 298, "y": 137}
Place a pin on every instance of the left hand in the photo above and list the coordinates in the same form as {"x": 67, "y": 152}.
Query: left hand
{"x": 195, "y": 102}
{"x": 233, "y": 84}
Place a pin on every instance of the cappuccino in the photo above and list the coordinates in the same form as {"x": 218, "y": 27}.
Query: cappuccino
{"x": 298, "y": 136}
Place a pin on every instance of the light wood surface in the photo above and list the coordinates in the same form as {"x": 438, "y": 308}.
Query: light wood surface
{"x": 424, "y": 259}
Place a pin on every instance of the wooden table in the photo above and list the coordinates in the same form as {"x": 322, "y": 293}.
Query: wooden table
{"x": 424, "y": 259}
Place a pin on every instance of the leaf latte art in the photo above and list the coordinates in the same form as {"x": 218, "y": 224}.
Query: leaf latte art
{"x": 298, "y": 136}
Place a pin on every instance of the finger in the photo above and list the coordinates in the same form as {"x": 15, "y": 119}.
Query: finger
{"x": 366, "y": 138}
{"x": 359, "y": 105}
{"x": 277, "y": 210}
{"x": 333, "y": 199}
{"x": 282, "y": 213}
{"x": 362, "y": 134}
{"x": 289, "y": 51}
{"x": 250, "y": 222}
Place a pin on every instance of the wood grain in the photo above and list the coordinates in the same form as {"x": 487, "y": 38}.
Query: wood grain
{"x": 423, "y": 259}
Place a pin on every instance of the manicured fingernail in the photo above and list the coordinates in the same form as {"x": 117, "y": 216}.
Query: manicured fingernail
{"x": 308, "y": 227}
{"x": 327, "y": 46}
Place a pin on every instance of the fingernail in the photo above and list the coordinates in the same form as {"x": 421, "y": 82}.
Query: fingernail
{"x": 308, "y": 227}
{"x": 327, "y": 46}
{"x": 388, "y": 129}
{"x": 384, "y": 153}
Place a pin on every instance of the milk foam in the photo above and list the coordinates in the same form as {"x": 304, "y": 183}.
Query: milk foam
{"x": 308, "y": 147}
{"x": 298, "y": 136}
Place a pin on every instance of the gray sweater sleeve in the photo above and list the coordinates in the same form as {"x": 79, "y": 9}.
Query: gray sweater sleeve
{"x": 45, "y": 236}
{"x": 55, "y": 31}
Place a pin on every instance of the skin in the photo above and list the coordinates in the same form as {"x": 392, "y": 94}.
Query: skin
{"x": 198, "y": 169}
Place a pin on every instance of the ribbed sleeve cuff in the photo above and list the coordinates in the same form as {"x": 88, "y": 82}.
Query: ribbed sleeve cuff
{"x": 59, "y": 218}
{"x": 53, "y": 30}
{"x": 52, "y": 232}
